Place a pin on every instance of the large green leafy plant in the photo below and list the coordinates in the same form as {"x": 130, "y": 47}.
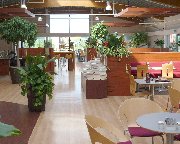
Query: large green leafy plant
{"x": 18, "y": 29}
{"x": 114, "y": 45}
{"x": 35, "y": 79}
{"x": 98, "y": 33}
{"x": 139, "y": 39}
{"x": 106, "y": 43}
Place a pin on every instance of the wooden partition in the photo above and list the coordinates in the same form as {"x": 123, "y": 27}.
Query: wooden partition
{"x": 154, "y": 56}
{"x": 23, "y": 52}
{"x": 117, "y": 78}
{"x": 4, "y": 66}
{"x": 137, "y": 50}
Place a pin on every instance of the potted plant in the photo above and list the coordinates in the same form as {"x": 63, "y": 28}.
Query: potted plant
{"x": 114, "y": 48}
{"x": 98, "y": 35}
{"x": 99, "y": 32}
{"x": 159, "y": 43}
{"x": 139, "y": 39}
{"x": 15, "y": 30}
{"x": 35, "y": 82}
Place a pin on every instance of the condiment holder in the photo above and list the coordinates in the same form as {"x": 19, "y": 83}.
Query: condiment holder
{"x": 169, "y": 124}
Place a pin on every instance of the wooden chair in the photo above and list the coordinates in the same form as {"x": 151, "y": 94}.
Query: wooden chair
{"x": 68, "y": 56}
{"x": 95, "y": 128}
{"x": 167, "y": 70}
{"x": 141, "y": 71}
{"x": 176, "y": 83}
{"x": 174, "y": 98}
{"x": 133, "y": 89}
{"x": 131, "y": 109}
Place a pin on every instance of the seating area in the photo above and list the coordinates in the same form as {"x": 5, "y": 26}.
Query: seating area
{"x": 89, "y": 71}
{"x": 155, "y": 68}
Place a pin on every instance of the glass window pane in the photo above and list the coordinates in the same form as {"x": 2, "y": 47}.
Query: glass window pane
{"x": 79, "y": 26}
{"x": 59, "y": 26}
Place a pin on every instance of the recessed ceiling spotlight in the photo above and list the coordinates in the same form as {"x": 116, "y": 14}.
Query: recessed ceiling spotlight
{"x": 96, "y": 18}
{"x": 40, "y": 18}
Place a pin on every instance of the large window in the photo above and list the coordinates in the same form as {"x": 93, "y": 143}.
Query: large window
{"x": 69, "y": 23}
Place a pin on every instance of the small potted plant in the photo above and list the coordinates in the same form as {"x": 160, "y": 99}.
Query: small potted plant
{"x": 35, "y": 82}
{"x": 159, "y": 43}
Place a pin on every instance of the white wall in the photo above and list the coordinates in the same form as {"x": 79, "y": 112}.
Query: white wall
{"x": 171, "y": 25}
{"x": 4, "y": 45}
{"x": 119, "y": 30}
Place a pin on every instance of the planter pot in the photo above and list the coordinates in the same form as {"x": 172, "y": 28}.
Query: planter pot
{"x": 31, "y": 99}
{"x": 15, "y": 78}
{"x": 91, "y": 53}
{"x": 118, "y": 83}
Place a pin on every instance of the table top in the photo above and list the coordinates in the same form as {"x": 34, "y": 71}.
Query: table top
{"x": 150, "y": 121}
{"x": 143, "y": 82}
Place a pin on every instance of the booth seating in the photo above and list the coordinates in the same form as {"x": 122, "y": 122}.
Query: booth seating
{"x": 155, "y": 68}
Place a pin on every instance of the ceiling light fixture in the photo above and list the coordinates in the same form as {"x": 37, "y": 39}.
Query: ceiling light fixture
{"x": 40, "y": 18}
{"x": 108, "y": 7}
{"x": 97, "y": 18}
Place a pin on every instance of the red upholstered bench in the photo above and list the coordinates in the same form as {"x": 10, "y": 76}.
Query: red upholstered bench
{"x": 134, "y": 67}
{"x": 155, "y": 68}
{"x": 176, "y": 71}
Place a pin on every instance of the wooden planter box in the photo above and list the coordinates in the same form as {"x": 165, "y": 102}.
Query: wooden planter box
{"x": 118, "y": 83}
{"x": 91, "y": 53}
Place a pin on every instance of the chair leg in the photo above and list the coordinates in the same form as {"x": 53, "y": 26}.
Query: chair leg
{"x": 162, "y": 139}
{"x": 152, "y": 140}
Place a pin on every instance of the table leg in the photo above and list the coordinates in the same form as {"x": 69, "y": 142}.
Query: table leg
{"x": 169, "y": 138}
{"x": 152, "y": 93}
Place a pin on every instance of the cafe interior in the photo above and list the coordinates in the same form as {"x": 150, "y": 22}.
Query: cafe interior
{"x": 104, "y": 71}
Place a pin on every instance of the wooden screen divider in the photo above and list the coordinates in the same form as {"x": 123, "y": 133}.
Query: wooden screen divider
{"x": 154, "y": 56}
{"x": 38, "y": 51}
{"x": 117, "y": 78}
{"x": 139, "y": 50}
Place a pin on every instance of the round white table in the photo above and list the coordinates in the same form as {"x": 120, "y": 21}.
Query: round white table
{"x": 150, "y": 121}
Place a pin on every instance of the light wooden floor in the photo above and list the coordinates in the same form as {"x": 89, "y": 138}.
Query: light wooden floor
{"x": 63, "y": 121}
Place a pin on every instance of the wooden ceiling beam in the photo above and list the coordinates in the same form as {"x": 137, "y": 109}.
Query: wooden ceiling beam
{"x": 148, "y": 12}
{"x": 11, "y": 12}
{"x": 169, "y": 2}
